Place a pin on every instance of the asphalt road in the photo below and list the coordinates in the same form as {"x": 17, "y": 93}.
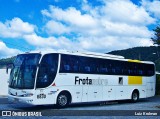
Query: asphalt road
{"x": 149, "y": 107}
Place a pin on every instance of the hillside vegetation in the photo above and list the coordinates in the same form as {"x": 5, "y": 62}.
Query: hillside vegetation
{"x": 4, "y": 62}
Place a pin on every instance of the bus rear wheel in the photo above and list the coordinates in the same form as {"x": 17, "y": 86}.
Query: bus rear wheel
{"x": 62, "y": 100}
{"x": 135, "y": 96}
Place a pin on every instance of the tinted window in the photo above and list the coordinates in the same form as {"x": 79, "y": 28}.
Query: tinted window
{"x": 47, "y": 70}
{"x": 89, "y": 65}
{"x": 24, "y": 71}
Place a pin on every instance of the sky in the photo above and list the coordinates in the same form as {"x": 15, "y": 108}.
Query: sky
{"x": 76, "y": 25}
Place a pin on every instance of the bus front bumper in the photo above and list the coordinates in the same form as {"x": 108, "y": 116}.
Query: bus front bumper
{"x": 24, "y": 100}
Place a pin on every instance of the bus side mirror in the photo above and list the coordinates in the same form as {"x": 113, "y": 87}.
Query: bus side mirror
{"x": 7, "y": 70}
{"x": 9, "y": 66}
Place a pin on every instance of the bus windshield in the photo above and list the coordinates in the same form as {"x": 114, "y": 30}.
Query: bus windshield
{"x": 24, "y": 71}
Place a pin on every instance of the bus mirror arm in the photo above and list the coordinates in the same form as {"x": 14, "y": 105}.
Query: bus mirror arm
{"x": 7, "y": 70}
{"x": 9, "y": 66}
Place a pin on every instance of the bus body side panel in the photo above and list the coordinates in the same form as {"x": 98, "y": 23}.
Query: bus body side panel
{"x": 109, "y": 93}
{"x": 150, "y": 86}
{"x": 66, "y": 82}
{"x": 112, "y": 89}
{"x": 45, "y": 96}
{"x": 95, "y": 93}
{"x": 85, "y": 93}
{"x": 80, "y": 88}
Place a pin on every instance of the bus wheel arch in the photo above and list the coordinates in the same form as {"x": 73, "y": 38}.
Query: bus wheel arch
{"x": 64, "y": 98}
{"x": 135, "y": 95}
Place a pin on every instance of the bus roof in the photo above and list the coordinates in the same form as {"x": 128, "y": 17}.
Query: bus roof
{"x": 90, "y": 54}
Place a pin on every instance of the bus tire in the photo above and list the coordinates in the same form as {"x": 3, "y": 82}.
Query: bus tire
{"x": 135, "y": 96}
{"x": 63, "y": 100}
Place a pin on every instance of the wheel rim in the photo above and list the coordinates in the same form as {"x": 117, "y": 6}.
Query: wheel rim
{"x": 62, "y": 100}
{"x": 135, "y": 96}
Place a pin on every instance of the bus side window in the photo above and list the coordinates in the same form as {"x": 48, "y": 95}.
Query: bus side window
{"x": 149, "y": 70}
{"x": 75, "y": 68}
{"x": 87, "y": 69}
{"x": 103, "y": 70}
{"x": 66, "y": 67}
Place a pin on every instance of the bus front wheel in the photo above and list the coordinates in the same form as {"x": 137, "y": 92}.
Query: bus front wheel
{"x": 62, "y": 100}
{"x": 135, "y": 96}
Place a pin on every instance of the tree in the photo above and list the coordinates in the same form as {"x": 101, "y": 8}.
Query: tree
{"x": 156, "y": 37}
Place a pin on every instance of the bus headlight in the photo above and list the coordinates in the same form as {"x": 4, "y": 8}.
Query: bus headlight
{"x": 27, "y": 95}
